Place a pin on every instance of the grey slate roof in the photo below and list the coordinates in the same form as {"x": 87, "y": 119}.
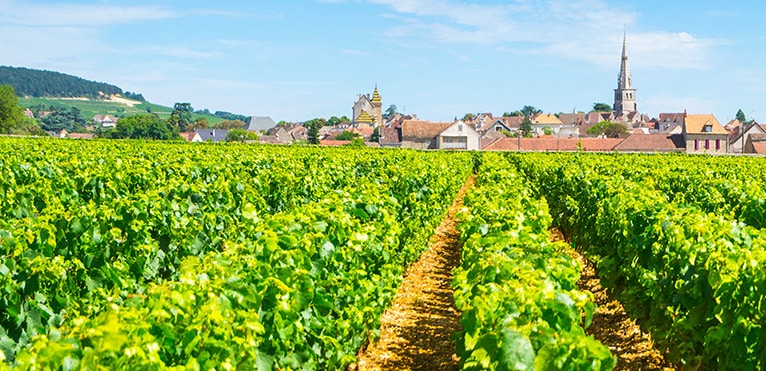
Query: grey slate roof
{"x": 212, "y": 135}
{"x": 259, "y": 123}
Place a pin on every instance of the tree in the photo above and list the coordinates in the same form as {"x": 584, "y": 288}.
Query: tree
{"x": 346, "y": 135}
{"x": 530, "y": 111}
{"x": 547, "y": 131}
{"x": 240, "y": 135}
{"x": 230, "y": 124}
{"x": 313, "y": 126}
{"x": 515, "y": 113}
{"x": 375, "y": 137}
{"x": 741, "y": 117}
{"x": 11, "y": 115}
{"x": 144, "y": 126}
{"x": 200, "y": 123}
{"x": 610, "y": 129}
{"x": 62, "y": 118}
{"x": 601, "y": 107}
{"x": 181, "y": 115}
{"x": 468, "y": 117}
{"x": 526, "y": 127}
{"x": 390, "y": 112}
{"x": 357, "y": 142}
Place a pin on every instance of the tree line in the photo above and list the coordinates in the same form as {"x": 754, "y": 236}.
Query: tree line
{"x": 37, "y": 83}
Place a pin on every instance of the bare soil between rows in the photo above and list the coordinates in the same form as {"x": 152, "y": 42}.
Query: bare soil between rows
{"x": 613, "y": 327}
{"x": 416, "y": 332}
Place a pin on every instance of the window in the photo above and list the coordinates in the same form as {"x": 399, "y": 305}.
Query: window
{"x": 707, "y": 143}
{"x": 707, "y": 129}
{"x": 717, "y": 144}
{"x": 459, "y": 127}
{"x": 696, "y": 144}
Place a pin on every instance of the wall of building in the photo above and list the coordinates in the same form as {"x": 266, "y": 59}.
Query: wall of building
{"x": 707, "y": 143}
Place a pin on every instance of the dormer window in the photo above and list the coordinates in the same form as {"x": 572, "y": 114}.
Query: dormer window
{"x": 707, "y": 128}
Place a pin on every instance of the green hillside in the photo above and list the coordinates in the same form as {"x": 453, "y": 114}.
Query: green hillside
{"x": 118, "y": 107}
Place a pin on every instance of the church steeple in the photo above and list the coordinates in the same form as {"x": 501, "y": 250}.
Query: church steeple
{"x": 624, "y": 82}
{"x": 624, "y": 95}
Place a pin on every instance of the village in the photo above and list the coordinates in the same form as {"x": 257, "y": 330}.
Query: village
{"x": 681, "y": 131}
{"x": 670, "y": 132}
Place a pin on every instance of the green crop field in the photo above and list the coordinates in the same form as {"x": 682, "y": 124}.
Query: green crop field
{"x": 152, "y": 255}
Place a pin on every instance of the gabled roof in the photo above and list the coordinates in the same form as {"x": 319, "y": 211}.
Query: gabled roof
{"x": 652, "y": 143}
{"x": 270, "y": 139}
{"x": 695, "y": 124}
{"x": 259, "y": 123}
{"x": 751, "y": 129}
{"x": 214, "y": 135}
{"x": 572, "y": 118}
{"x": 188, "y": 135}
{"x": 422, "y": 130}
{"x": 546, "y": 119}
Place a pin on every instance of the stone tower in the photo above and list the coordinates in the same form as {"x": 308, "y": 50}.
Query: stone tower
{"x": 624, "y": 95}
{"x": 377, "y": 107}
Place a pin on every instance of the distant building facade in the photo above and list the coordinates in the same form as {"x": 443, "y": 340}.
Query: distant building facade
{"x": 368, "y": 110}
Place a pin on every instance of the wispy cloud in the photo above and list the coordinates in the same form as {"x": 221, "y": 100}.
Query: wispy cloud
{"x": 83, "y": 15}
{"x": 586, "y": 30}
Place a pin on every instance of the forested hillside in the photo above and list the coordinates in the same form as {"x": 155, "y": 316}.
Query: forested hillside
{"x": 36, "y": 83}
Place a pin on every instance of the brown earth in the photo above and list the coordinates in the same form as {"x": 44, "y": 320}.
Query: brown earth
{"x": 416, "y": 331}
{"x": 613, "y": 327}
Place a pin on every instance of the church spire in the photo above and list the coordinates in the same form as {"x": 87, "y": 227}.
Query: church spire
{"x": 624, "y": 95}
{"x": 624, "y": 79}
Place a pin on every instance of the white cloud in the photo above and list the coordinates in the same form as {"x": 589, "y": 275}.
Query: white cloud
{"x": 586, "y": 30}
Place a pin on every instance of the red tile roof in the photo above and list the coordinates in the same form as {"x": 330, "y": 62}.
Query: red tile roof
{"x": 652, "y": 143}
{"x": 554, "y": 144}
{"x": 416, "y": 129}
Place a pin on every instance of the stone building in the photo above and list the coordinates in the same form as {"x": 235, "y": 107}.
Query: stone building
{"x": 368, "y": 110}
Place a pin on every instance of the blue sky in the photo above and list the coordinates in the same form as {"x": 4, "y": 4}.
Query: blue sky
{"x": 296, "y": 60}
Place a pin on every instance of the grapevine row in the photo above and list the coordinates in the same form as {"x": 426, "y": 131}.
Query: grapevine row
{"x": 695, "y": 279}
{"x": 516, "y": 289}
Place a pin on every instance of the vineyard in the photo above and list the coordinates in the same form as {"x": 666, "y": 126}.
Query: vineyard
{"x": 198, "y": 256}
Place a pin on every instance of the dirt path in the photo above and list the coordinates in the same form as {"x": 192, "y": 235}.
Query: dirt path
{"x": 416, "y": 331}
{"x": 613, "y": 327}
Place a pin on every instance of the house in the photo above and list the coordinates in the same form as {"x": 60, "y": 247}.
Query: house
{"x": 29, "y": 113}
{"x": 738, "y": 139}
{"x": 546, "y": 120}
{"x": 390, "y": 137}
{"x": 459, "y": 136}
{"x": 258, "y": 123}
{"x": 418, "y": 134}
{"x": 190, "y": 136}
{"x": 268, "y": 139}
{"x": 756, "y": 143}
{"x": 704, "y": 134}
{"x": 212, "y": 135}
{"x": 640, "y": 142}
{"x": 106, "y": 121}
